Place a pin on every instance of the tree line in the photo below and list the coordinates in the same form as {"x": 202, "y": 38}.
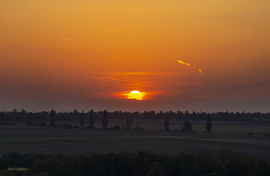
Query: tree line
{"x": 187, "y": 125}
{"x": 16, "y": 115}
{"x": 223, "y": 163}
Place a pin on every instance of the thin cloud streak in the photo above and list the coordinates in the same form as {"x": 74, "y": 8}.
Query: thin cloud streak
{"x": 184, "y": 63}
{"x": 140, "y": 73}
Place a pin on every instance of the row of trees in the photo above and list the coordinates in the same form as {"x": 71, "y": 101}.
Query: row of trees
{"x": 179, "y": 115}
{"x": 187, "y": 125}
{"x": 224, "y": 162}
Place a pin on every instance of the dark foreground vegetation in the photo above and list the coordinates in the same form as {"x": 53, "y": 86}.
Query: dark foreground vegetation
{"x": 225, "y": 162}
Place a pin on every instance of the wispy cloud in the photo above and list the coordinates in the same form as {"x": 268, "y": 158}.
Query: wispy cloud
{"x": 147, "y": 83}
{"x": 140, "y": 73}
{"x": 184, "y": 63}
{"x": 128, "y": 76}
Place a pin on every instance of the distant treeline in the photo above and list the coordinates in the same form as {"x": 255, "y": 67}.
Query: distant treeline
{"x": 16, "y": 115}
{"x": 225, "y": 162}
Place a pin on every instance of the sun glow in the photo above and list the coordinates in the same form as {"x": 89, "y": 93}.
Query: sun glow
{"x": 135, "y": 95}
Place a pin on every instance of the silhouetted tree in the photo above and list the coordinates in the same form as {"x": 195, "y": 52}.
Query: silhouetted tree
{"x": 166, "y": 124}
{"x": 82, "y": 120}
{"x": 129, "y": 123}
{"x": 209, "y": 123}
{"x": 156, "y": 170}
{"x": 52, "y": 114}
{"x": 75, "y": 112}
{"x": 104, "y": 120}
{"x": 2, "y": 118}
{"x": 91, "y": 119}
{"x": 29, "y": 119}
{"x": 187, "y": 127}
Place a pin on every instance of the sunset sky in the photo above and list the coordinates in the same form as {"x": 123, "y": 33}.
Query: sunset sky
{"x": 202, "y": 55}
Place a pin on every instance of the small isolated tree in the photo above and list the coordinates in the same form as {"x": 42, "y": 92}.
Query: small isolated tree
{"x": 104, "y": 120}
{"x": 82, "y": 120}
{"x": 167, "y": 124}
{"x": 52, "y": 114}
{"x": 187, "y": 127}
{"x": 129, "y": 123}
{"x": 29, "y": 119}
{"x": 91, "y": 119}
{"x": 209, "y": 123}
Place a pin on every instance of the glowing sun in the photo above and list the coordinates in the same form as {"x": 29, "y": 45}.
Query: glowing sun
{"x": 135, "y": 95}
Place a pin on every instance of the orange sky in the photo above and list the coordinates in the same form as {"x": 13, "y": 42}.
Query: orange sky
{"x": 90, "y": 54}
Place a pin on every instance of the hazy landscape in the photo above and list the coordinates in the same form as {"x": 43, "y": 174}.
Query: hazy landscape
{"x": 224, "y": 135}
{"x": 247, "y": 138}
{"x": 134, "y": 88}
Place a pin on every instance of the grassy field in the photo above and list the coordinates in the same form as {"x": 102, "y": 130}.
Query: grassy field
{"x": 77, "y": 141}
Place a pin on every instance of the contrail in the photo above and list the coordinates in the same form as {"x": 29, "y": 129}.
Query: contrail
{"x": 184, "y": 63}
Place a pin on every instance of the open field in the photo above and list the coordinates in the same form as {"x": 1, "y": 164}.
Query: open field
{"x": 77, "y": 141}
